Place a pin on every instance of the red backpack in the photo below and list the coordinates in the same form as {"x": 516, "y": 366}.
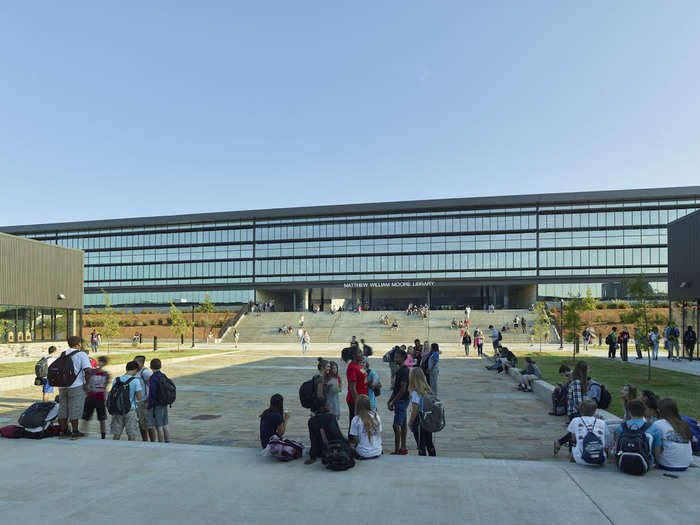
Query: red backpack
{"x": 284, "y": 449}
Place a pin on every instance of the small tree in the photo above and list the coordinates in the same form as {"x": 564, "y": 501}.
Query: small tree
{"x": 590, "y": 303}
{"x": 4, "y": 328}
{"x": 642, "y": 294}
{"x": 109, "y": 321}
{"x": 180, "y": 325}
{"x": 542, "y": 323}
{"x": 206, "y": 308}
{"x": 572, "y": 320}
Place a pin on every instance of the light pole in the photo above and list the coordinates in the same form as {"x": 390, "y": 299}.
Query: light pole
{"x": 192, "y": 325}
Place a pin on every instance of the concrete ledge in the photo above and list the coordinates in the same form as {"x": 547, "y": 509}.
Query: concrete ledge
{"x": 26, "y": 381}
{"x": 543, "y": 390}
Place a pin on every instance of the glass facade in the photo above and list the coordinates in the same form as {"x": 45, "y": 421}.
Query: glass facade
{"x": 585, "y": 243}
{"x": 26, "y": 324}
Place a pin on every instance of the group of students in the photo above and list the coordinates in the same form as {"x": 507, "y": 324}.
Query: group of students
{"x": 144, "y": 412}
{"x": 653, "y": 432}
{"x": 670, "y": 335}
{"x": 364, "y": 436}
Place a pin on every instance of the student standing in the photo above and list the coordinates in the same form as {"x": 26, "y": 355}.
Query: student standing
{"x": 418, "y": 387}
{"x": 96, "y": 393}
{"x": 623, "y": 340}
{"x": 46, "y": 388}
{"x": 654, "y": 341}
{"x": 466, "y": 342}
{"x": 373, "y": 385}
{"x": 434, "y": 367}
{"x": 332, "y": 387}
{"x": 72, "y": 398}
{"x": 399, "y": 403}
{"x": 144, "y": 376}
{"x": 689, "y": 340}
{"x": 128, "y": 422}
{"x": 157, "y": 414}
{"x": 611, "y": 341}
{"x": 357, "y": 380}
{"x": 305, "y": 341}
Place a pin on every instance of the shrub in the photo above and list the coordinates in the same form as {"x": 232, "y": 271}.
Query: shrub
{"x": 599, "y": 318}
{"x": 160, "y": 322}
{"x": 169, "y": 321}
{"x": 152, "y": 322}
{"x": 600, "y": 306}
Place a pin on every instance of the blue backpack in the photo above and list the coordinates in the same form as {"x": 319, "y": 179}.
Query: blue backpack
{"x": 695, "y": 431}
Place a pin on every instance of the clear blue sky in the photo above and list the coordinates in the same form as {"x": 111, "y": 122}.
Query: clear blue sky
{"x": 120, "y": 109}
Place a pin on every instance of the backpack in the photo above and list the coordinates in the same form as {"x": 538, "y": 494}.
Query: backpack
{"x": 609, "y": 340}
{"x": 41, "y": 368}
{"x": 695, "y": 431}
{"x": 592, "y": 450}
{"x": 284, "y": 449}
{"x": 633, "y": 451}
{"x": 605, "y": 398}
{"x": 346, "y": 353}
{"x": 339, "y": 455}
{"x": 12, "y": 431}
{"x": 500, "y": 336}
{"x": 166, "y": 391}
{"x": 61, "y": 373}
{"x": 559, "y": 400}
{"x": 367, "y": 350}
{"x": 431, "y": 413}
{"x": 39, "y": 415}
{"x": 307, "y": 393}
{"x": 119, "y": 398}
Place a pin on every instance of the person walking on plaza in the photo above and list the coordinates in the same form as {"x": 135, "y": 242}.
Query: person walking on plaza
{"x": 638, "y": 342}
{"x": 466, "y": 341}
{"x": 611, "y": 341}
{"x": 72, "y": 398}
{"x": 236, "y": 336}
{"x": 623, "y": 340}
{"x": 94, "y": 343}
{"x": 689, "y": 340}
{"x": 468, "y": 312}
{"x": 305, "y": 341}
{"x": 495, "y": 337}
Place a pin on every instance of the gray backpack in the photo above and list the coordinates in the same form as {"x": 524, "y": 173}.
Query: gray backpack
{"x": 431, "y": 413}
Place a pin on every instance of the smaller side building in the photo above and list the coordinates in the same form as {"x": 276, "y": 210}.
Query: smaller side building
{"x": 684, "y": 258}
{"x": 41, "y": 292}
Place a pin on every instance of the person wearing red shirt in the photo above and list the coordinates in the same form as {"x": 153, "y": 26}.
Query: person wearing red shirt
{"x": 357, "y": 381}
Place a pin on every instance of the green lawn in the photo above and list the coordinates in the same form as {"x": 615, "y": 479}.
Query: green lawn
{"x": 27, "y": 367}
{"x": 683, "y": 388}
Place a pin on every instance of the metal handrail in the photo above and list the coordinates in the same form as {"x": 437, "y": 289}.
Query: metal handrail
{"x": 233, "y": 321}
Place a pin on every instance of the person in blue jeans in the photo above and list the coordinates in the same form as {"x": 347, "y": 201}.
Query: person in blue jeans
{"x": 399, "y": 403}
{"x": 46, "y": 388}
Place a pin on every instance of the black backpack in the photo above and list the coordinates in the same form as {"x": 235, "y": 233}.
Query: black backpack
{"x": 307, "y": 393}
{"x": 119, "y": 400}
{"x": 559, "y": 400}
{"x": 61, "y": 373}
{"x": 36, "y": 415}
{"x": 367, "y": 350}
{"x": 339, "y": 455}
{"x": 500, "y": 336}
{"x": 346, "y": 353}
{"x": 605, "y": 398}
{"x": 592, "y": 449}
{"x": 633, "y": 451}
{"x": 166, "y": 391}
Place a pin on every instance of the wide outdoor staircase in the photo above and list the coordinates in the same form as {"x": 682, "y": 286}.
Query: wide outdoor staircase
{"x": 263, "y": 327}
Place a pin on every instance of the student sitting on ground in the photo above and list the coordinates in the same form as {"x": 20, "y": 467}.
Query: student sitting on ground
{"x": 509, "y": 361}
{"x": 579, "y": 428}
{"x": 675, "y": 450}
{"x": 531, "y": 372}
{"x": 321, "y": 422}
{"x": 273, "y": 420}
{"x": 636, "y": 411}
{"x": 365, "y": 431}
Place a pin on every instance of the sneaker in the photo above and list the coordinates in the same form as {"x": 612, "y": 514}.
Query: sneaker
{"x": 64, "y": 434}
{"x": 403, "y": 452}
{"x": 557, "y": 446}
{"x": 77, "y": 435}
{"x": 395, "y": 453}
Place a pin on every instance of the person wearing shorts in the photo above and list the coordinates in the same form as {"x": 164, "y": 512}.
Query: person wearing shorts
{"x": 157, "y": 414}
{"x": 399, "y": 403}
{"x": 72, "y": 398}
{"x": 128, "y": 422}
{"x": 95, "y": 400}
{"x": 144, "y": 376}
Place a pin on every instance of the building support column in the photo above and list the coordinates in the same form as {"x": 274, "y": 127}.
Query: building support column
{"x": 321, "y": 307}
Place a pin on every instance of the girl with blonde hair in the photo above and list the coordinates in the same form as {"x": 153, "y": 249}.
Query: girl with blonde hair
{"x": 365, "y": 430}
{"x": 418, "y": 387}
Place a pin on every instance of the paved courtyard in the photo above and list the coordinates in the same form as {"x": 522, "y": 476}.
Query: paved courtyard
{"x": 220, "y": 398}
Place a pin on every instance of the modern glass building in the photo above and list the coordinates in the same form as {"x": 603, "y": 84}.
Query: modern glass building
{"x": 508, "y": 250}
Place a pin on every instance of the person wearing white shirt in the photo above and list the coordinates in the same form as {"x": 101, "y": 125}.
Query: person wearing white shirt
{"x": 675, "y": 452}
{"x": 144, "y": 376}
{"x": 582, "y": 425}
{"x": 365, "y": 431}
{"x": 72, "y": 398}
